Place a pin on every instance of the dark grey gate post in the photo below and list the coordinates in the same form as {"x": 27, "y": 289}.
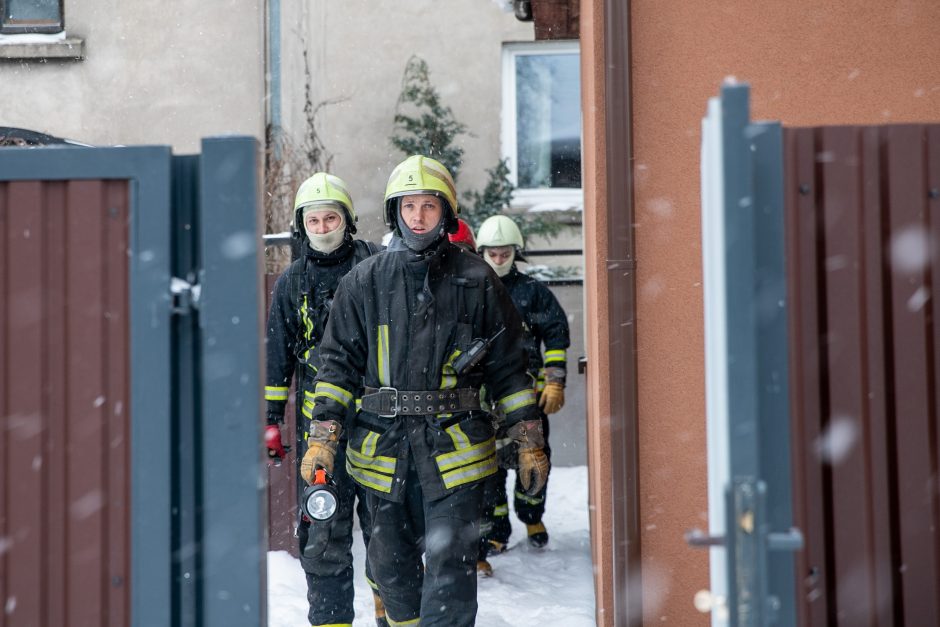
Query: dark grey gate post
{"x": 234, "y": 528}
{"x": 751, "y": 330}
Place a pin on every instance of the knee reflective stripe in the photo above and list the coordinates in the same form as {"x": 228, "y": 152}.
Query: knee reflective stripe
{"x": 396, "y": 623}
{"x": 382, "y": 356}
{"x": 305, "y": 319}
{"x": 501, "y": 510}
{"x": 531, "y": 500}
{"x": 275, "y": 393}
{"x": 520, "y": 399}
{"x": 328, "y": 390}
{"x": 555, "y": 356}
{"x": 448, "y": 375}
{"x": 458, "y": 437}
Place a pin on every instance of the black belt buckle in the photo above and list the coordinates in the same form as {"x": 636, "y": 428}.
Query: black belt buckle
{"x": 394, "y": 405}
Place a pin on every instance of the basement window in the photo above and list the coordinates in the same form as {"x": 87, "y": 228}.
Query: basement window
{"x": 541, "y": 127}
{"x": 31, "y": 16}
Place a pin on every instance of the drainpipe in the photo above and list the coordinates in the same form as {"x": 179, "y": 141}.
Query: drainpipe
{"x": 273, "y": 122}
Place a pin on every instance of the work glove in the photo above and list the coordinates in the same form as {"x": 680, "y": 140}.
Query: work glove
{"x": 321, "y": 448}
{"x": 552, "y": 398}
{"x": 533, "y": 462}
{"x": 276, "y": 448}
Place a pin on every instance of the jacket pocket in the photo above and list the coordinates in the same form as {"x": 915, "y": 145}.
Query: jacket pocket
{"x": 365, "y": 462}
{"x": 469, "y": 451}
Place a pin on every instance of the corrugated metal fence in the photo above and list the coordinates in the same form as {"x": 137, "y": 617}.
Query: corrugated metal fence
{"x": 863, "y": 229}
{"x": 64, "y": 392}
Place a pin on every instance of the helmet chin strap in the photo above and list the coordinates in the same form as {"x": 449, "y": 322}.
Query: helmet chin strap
{"x": 419, "y": 242}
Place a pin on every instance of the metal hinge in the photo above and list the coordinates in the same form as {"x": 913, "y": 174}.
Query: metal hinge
{"x": 185, "y": 296}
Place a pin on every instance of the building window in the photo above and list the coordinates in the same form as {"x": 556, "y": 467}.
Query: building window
{"x": 542, "y": 121}
{"x": 30, "y": 16}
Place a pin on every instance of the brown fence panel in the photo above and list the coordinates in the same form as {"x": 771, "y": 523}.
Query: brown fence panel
{"x": 282, "y": 480}
{"x": 64, "y": 391}
{"x": 863, "y": 267}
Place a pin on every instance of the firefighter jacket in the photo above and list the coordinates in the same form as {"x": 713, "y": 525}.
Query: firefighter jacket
{"x": 544, "y": 321}
{"x": 400, "y": 321}
{"x": 299, "y": 309}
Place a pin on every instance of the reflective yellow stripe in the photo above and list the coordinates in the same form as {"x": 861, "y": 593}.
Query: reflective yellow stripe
{"x": 333, "y": 625}
{"x": 501, "y": 510}
{"x": 520, "y": 399}
{"x": 380, "y": 463}
{"x": 396, "y": 623}
{"x": 335, "y": 392}
{"x": 307, "y": 409}
{"x": 382, "y": 356}
{"x": 372, "y": 584}
{"x": 557, "y": 354}
{"x": 448, "y": 461}
{"x": 531, "y": 500}
{"x": 275, "y": 393}
{"x": 382, "y": 483}
{"x": 458, "y": 437}
{"x": 467, "y": 474}
{"x": 308, "y": 323}
{"x": 369, "y": 443}
{"x": 448, "y": 376}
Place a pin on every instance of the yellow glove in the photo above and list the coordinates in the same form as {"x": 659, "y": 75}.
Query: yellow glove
{"x": 321, "y": 448}
{"x": 552, "y": 398}
{"x": 533, "y": 462}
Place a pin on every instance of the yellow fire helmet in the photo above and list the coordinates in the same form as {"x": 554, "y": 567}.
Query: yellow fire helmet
{"x": 499, "y": 230}
{"x": 323, "y": 189}
{"x": 421, "y": 175}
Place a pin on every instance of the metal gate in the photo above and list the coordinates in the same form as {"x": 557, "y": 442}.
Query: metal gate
{"x": 862, "y": 232}
{"x": 129, "y": 378}
{"x": 853, "y": 211}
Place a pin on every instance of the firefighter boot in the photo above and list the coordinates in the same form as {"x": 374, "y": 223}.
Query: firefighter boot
{"x": 538, "y": 536}
{"x": 380, "y": 619}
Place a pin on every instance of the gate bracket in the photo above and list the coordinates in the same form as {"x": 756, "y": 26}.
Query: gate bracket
{"x": 185, "y": 296}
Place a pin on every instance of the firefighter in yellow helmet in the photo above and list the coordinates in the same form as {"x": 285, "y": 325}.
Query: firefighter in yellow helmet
{"x": 501, "y": 244}
{"x": 325, "y": 221}
{"x": 424, "y": 325}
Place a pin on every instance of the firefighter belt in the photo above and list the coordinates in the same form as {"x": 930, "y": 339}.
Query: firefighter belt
{"x": 390, "y": 402}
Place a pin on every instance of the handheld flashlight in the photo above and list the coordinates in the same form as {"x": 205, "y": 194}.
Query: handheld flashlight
{"x": 320, "y": 500}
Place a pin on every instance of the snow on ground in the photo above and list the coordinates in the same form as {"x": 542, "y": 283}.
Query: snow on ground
{"x": 550, "y": 587}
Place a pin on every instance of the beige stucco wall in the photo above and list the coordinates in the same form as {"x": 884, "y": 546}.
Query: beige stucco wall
{"x": 357, "y": 52}
{"x": 808, "y": 63}
{"x": 154, "y": 73}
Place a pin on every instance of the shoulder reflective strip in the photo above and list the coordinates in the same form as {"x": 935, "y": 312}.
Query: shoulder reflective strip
{"x": 449, "y": 461}
{"x": 369, "y": 443}
{"x": 335, "y": 392}
{"x": 468, "y": 474}
{"x": 531, "y": 500}
{"x": 458, "y": 437}
{"x": 308, "y": 323}
{"x": 557, "y": 354}
{"x": 501, "y": 510}
{"x": 379, "y": 463}
{"x": 382, "y": 356}
{"x": 373, "y": 480}
{"x": 520, "y": 399}
{"x": 275, "y": 393}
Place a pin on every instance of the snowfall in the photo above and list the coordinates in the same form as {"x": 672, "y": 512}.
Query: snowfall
{"x": 529, "y": 587}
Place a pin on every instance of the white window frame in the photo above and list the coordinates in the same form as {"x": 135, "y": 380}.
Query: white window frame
{"x": 526, "y": 198}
